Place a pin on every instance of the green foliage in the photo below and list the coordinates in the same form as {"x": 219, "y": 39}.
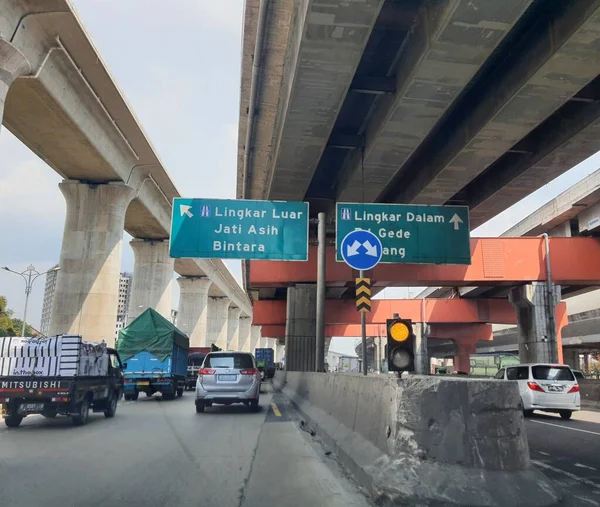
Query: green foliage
{"x": 10, "y": 326}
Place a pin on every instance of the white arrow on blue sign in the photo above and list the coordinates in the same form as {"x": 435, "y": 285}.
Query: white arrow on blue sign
{"x": 361, "y": 250}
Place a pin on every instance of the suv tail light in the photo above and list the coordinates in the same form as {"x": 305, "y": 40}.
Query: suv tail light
{"x": 251, "y": 371}
{"x": 206, "y": 371}
{"x": 535, "y": 387}
{"x": 574, "y": 389}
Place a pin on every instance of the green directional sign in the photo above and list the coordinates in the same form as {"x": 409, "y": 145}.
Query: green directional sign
{"x": 415, "y": 234}
{"x": 239, "y": 229}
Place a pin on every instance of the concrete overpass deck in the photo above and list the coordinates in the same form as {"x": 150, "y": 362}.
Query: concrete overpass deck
{"x": 66, "y": 107}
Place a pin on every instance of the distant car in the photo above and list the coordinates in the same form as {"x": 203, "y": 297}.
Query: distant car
{"x": 226, "y": 378}
{"x": 546, "y": 387}
{"x": 578, "y": 375}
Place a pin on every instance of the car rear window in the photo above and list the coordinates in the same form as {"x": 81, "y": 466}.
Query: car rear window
{"x": 233, "y": 361}
{"x": 552, "y": 373}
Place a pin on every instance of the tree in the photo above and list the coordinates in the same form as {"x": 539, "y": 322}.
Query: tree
{"x": 10, "y": 326}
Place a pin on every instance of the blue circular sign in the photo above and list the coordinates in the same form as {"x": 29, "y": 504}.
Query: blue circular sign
{"x": 361, "y": 250}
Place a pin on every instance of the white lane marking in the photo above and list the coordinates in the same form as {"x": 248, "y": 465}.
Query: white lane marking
{"x": 579, "y": 465}
{"x": 587, "y": 482}
{"x": 566, "y": 427}
{"x": 543, "y": 453}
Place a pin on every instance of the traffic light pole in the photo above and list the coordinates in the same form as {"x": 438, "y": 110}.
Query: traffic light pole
{"x": 363, "y": 327}
{"x": 321, "y": 270}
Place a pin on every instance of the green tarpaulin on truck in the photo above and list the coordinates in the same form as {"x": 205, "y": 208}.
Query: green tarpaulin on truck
{"x": 152, "y": 333}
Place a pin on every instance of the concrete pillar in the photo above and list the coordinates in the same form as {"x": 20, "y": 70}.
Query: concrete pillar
{"x": 233, "y": 328}
{"x": 279, "y": 351}
{"x": 12, "y": 65}
{"x": 193, "y": 308}
{"x": 87, "y": 285}
{"x": 421, "y": 353}
{"x": 218, "y": 314}
{"x": 244, "y": 334}
{"x": 152, "y": 278}
{"x": 300, "y": 327}
{"x": 571, "y": 357}
{"x": 536, "y": 322}
{"x": 462, "y": 358}
{"x": 254, "y": 338}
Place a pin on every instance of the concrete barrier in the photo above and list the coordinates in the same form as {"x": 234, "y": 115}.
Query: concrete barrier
{"x": 426, "y": 441}
{"x": 590, "y": 394}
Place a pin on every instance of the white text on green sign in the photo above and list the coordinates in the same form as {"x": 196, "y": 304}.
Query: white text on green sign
{"x": 239, "y": 229}
{"x": 417, "y": 234}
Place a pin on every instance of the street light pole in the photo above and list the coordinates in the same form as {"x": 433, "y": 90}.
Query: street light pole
{"x": 30, "y": 275}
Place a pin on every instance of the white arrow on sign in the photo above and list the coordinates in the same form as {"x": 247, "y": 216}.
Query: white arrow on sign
{"x": 371, "y": 249}
{"x": 185, "y": 210}
{"x": 353, "y": 248}
{"x": 456, "y": 220}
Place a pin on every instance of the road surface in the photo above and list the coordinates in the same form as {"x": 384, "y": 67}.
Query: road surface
{"x": 162, "y": 453}
{"x": 568, "y": 452}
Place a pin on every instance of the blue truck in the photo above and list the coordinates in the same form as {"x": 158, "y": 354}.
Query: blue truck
{"x": 265, "y": 361}
{"x": 156, "y": 357}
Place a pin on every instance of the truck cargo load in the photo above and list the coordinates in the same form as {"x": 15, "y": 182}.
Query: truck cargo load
{"x": 156, "y": 353}
{"x": 196, "y": 356}
{"x": 265, "y": 361}
{"x": 57, "y": 375}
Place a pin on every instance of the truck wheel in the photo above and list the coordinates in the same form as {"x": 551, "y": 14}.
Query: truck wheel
{"x": 180, "y": 392}
{"x": 112, "y": 406}
{"x": 83, "y": 412}
{"x": 13, "y": 421}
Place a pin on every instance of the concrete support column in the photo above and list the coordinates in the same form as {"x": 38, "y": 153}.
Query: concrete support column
{"x": 571, "y": 357}
{"x": 300, "y": 327}
{"x": 193, "y": 308}
{"x": 536, "y": 321}
{"x": 233, "y": 328}
{"x": 12, "y": 65}
{"x": 152, "y": 278}
{"x": 421, "y": 353}
{"x": 218, "y": 314}
{"x": 87, "y": 285}
{"x": 244, "y": 334}
{"x": 279, "y": 351}
{"x": 254, "y": 338}
{"x": 462, "y": 358}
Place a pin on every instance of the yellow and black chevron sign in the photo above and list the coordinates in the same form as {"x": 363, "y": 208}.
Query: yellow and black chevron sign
{"x": 363, "y": 294}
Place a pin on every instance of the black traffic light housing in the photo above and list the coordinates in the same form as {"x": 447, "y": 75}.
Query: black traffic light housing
{"x": 400, "y": 345}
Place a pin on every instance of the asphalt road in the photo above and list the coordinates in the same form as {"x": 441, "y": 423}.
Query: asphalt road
{"x": 158, "y": 452}
{"x": 568, "y": 452}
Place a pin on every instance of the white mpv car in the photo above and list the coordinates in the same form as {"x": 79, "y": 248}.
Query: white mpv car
{"x": 547, "y": 387}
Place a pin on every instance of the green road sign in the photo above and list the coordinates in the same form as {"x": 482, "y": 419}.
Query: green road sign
{"x": 239, "y": 229}
{"x": 415, "y": 234}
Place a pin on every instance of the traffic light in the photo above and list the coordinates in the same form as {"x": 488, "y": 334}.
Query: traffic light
{"x": 400, "y": 345}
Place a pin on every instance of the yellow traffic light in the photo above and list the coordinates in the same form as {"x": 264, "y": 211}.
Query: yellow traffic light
{"x": 399, "y": 331}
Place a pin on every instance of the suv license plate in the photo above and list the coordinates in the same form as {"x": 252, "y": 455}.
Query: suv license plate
{"x": 228, "y": 377}
{"x": 31, "y": 408}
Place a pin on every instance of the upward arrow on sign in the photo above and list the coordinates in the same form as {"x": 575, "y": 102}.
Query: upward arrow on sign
{"x": 456, "y": 220}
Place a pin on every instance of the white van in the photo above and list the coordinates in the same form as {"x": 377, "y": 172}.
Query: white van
{"x": 547, "y": 387}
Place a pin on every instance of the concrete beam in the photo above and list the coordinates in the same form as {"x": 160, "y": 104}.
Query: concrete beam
{"x": 526, "y": 91}
{"x": 328, "y": 44}
{"x": 574, "y": 261}
{"x": 12, "y": 65}
{"x": 437, "y": 62}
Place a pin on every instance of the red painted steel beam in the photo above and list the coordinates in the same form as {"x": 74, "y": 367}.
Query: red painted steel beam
{"x": 494, "y": 261}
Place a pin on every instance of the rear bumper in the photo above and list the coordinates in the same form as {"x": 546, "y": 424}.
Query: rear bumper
{"x": 227, "y": 396}
{"x": 533, "y": 402}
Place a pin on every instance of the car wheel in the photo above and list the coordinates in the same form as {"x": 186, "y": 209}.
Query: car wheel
{"x": 111, "y": 407}
{"x": 565, "y": 414}
{"x": 199, "y": 408}
{"x": 135, "y": 395}
{"x": 81, "y": 417}
{"x": 13, "y": 421}
{"x": 180, "y": 392}
{"x": 127, "y": 397}
{"x": 527, "y": 413}
{"x": 254, "y": 406}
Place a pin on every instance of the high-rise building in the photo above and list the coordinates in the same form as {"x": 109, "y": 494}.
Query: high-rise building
{"x": 48, "y": 299}
{"x": 122, "y": 308}
{"x": 124, "y": 296}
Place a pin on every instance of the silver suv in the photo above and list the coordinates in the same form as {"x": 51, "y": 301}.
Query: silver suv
{"x": 228, "y": 377}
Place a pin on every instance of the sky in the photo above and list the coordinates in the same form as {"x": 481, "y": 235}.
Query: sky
{"x": 181, "y": 75}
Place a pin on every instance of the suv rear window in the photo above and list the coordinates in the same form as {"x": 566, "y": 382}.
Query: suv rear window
{"x": 552, "y": 373}
{"x": 518, "y": 373}
{"x": 232, "y": 361}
